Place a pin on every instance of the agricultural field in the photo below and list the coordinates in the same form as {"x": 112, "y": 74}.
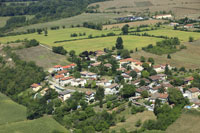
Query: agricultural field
{"x": 79, "y": 19}
{"x": 130, "y": 42}
{"x": 10, "y": 111}
{"x": 187, "y": 122}
{"x": 131, "y": 120}
{"x": 180, "y": 8}
{"x": 58, "y": 35}
{"x": 45, "y": 124}
{"x": 3, "y": 21}
{"x": 42, "y": 56}
{"x": 188, "y": 58}
{"x": 182, "y": 35}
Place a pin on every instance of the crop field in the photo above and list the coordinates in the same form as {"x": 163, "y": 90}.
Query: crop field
{"x": 188, "y": 58}
{"x": 10, "y": 111}
{"x": 129, "y": 42}
{"x": 182, "y": 35}
{"x": 187, "y": 123}
{"x": 58, "y": 35}
{"x": 180, "y": 8}
{"x": 45, "y": 124}
{"x": 79, "y": 19}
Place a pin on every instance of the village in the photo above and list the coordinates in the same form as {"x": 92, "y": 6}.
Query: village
{"x": 148, "y": 87}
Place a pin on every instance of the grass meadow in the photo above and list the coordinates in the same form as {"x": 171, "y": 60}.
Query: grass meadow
{"x": 45, "y": 124}
{"x": 10, "y": 111}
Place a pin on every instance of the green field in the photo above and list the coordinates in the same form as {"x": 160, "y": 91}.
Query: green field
{"x": 45, "y": 124}
{"x": 57, "y": 35}
{"x": 130, "y": 42}
{"x": 187, "y": 123}
{"x": 3, "y": 21}
{"x": 182, "y": 35}
{"x": 10, "y": 111}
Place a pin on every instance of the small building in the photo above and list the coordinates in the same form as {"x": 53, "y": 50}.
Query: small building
{"x": 163, "y": 16}
{"x": 57, "y": 68}
{"x": 63, "y": 72}
{"x": 188, "y": 80}
{"x": 89, "y": 95}
{"x": 66, "y": 80}
{"x": 68, "y": 67}
{"x": 64, "y": 95}
{"x": 78, "y": 82}
{"x": 104, "y": 83}
{"x": 36, "y": 87}
{"x": 86, "y": 74}
{"x": 44, "y": 91}
{"x": 57, "y": 78}
{"x": 112, "y": 89}
{"x": 108, "y": 65}
{"x": 126, "y": 77}
{"x": 192, "y": 93}
{"x": 161, "y": 96}
{"x": 159, "y": 68}
{"x": 187, "y": 26}
{"x": 96, "y": 64}
{"x": 174, "y": 24}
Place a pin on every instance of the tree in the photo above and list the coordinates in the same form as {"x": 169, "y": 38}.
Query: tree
{"x": 133, "y": 74}
{"x": 138, "y": 123}
{"x": 125, "y": 29}
{"x": 124, "y": 53}
{"x": 39, "y": 31}
{"x": 142, "y": 59}
{"x": 59, "y": 50}
{"x": 191, "y": 39}
{"x": 145, "y": 94}
{"x": 127, "y": 91}
{"x": 145, "y": 74}
{"x": 119, "y": 43}
{"x": 77, "y": 74}
{"x": 151, "y": 60}
{"x": 161, "y": 90}
{"x": 99, "y": 96}
{"x": 46, "y": 32}
{"x": 72, "y": 53}
{"x": 168, "y": 56}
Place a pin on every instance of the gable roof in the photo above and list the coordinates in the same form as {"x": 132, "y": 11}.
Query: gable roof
{"x": 67, "y": 78}
{"x": 34, "y": 85}
{"x": 193, "y": 90}
{"x": 57, "y": 66}
{"x": 62, "y": 72}
{"x": 59, "y": 76}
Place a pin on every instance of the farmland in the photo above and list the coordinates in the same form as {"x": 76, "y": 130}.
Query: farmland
{"x": 188, "y": 58}
{"x": 180, "y": 8}
{"x": 45, "y": 124}
{"x": 10, "y": 111}
{"x": 187, "y": 122}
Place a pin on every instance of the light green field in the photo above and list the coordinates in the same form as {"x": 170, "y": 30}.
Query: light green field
{"x": 42, "y": 125}
{"x": 182, "y": 35}
{"x": 10, "y": 111}
{"x": 3, "y": 21}
{"x": 130, "y": 42}
{"x": 57, "y": 35}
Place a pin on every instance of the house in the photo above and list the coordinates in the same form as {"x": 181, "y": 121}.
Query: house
{"x": 36, "y": 87}
{"x": 174, "y": 24}
{"x": 166, "y": 85}
{"x": 132, "y": 63}
{"x": 158, "y": 77}
{"x": 104, "y": 83}
{"x": 188, "y": 26}
{"x": 99, "y": 53}
{"x": 112, "y": 89}
{"x": 66, "y": 80}
{"x": 108, "y": 65}
{"x": 63, "y": 72}
{"x": 78, "y": 82}
{"x": 96, "y": 64}
{"x": 57, "y": 68}
{"x": 70, "y": 66}
{"x": 122, "y": 69}
{"x": 161, "y": 96}
{"x": 89, "y": 95}
{"x": 154, "y": 90}
{"x": 139, "y": 91}
{"x": 44, "y": 91}
{"x": 64, "y": 95}
{"x": 192, "y": 93}
{"x": 188, "y": 80}
{"x": 159, "y": 68}
{"x": 163, "y": 16}
{"x": 117, "y": 57}
{"x": 126, "y": 77}
{"x": 137, "y": 82}
{"x": 57, "y": 78}
{"x": 86, "y": 74}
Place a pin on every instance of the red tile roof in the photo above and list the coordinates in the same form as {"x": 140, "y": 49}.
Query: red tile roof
{"x": 62, "y": 72}
{"x": 88, "y": 93}
{"x": 163, "y": 95}
{"x": 34, "y": 85}
{"x": 57, "y": 66}
{"x": 189, "y": 78}
{"x": 66, "y": 78}
{"x": 193, "y": 90}
{"x": 59, "y": 76}
{"x": 128, "y": 60}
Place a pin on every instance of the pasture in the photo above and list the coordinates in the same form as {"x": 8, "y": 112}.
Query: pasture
{"x": 187, "y": 123}
{"x": 3, "y": 21}
{"x": 130, "y": 42}
{"x": 45, "y": 124}
{"x": 182, "y": 35}
{"x": 10, "y": 111}
{"x": 188, "y": 58}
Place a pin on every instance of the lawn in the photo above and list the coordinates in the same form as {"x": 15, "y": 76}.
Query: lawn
{"x": 130, "y": 42}
{"x": 10, "y": 111}
{"x": 45, "y": 124}
{"x": 57, "y": 35}
{"x": 182, "y": 35}
{"x": 187, "y": 123}
{"x": 3, "y": 21}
